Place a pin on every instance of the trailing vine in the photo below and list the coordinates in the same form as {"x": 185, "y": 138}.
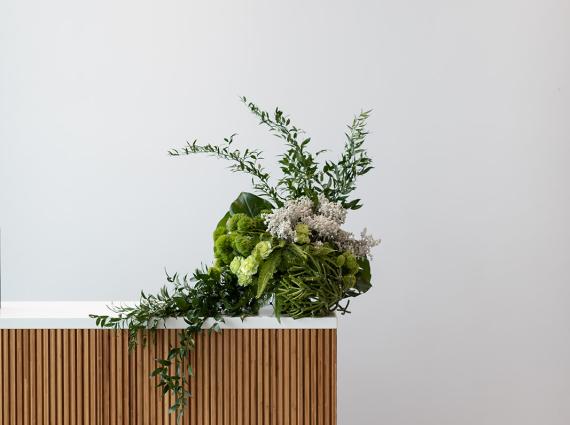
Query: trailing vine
{"x": 207, "y": 294}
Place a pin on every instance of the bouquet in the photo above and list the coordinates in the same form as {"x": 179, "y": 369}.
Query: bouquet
{"x": 283, "y": 245}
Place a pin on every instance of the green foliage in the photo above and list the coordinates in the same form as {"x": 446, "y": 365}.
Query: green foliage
{"x": 364, "y": 277}
{"x": 245, "y": 162}
{"x": 302, "y": 174}
{"x": 206, "y": 294}
{"x": 341, "y": 176}
{"x": 315, "y": 281}
{"x": 267, "y": 270}
{"x": 299, "y": 166}
{"x": 238, "y": 233}
{"x": 249, "y": 204}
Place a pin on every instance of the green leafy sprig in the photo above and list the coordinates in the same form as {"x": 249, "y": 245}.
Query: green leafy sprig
{"x": 298, "y": 165}
{"x": 354, "y": 162}
{"x": 246, "y": 162}
{"x": 207, "y": 294}
{"x": 302, "y": 174}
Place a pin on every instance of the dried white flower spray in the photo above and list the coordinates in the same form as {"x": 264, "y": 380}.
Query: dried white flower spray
{"x": 324, "y": 220}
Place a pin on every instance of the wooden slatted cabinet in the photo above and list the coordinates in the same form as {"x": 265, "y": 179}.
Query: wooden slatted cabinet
{"x": 242, "y": 377}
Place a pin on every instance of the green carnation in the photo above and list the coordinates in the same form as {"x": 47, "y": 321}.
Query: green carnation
{"x": 220, "y": 230}
{"x": 349, "y": 280}
{"x": 302, "y": 233}
{"x": 245, "y": 223}
{"x": 244, "y": 244}
{"x": 259, "y": 223}
{"x": 235, "y": 264}
{"x": 351, "y": 265}
{"x": 262, "y": 250}
{"x": 223, "y": 249}
{"x": 232, "y": 223}
{"x": 248, "y": 267}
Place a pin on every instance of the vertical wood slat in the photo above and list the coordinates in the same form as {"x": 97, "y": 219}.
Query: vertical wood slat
{"x": 232, "y": 372}
{"x": 246, "y": 378}
{"x": 194, "y": 395}
{"x": 326, "y": 392}
{"x": 79, "y": 377}
{"x": 213, "y": 378}
{"x": 285, "y": 355}
{"x": 12, "y": 382}
{"x": 253, "y": 352}
{"x": 239, "y": 372}
{"x": 293, "y": 378}
{"x": 242, "y": 377}
{"x": 300, "y": 381}
{"x": 266, "y": 337}
{"x": 19, "y": 380}
{"x": 5, "y": 375}
{"x": 220, "y": 377}
{"x": 307, "y": 377}
{"x": 165, "y": 401}
{"x": 25, "y": 382}
{"x": 274, "y": 377}
{"x": 199, "y": 378}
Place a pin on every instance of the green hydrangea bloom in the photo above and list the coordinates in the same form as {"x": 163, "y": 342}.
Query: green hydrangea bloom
{"x": 302, "y": 233}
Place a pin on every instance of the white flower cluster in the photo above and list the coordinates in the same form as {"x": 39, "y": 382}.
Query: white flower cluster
{"x": 282, "y": 221}
{"x": 359, "y": 247}
{"x": 324, "y": 220}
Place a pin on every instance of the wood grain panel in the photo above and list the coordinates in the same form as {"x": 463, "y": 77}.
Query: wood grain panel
{"x": 242, "y": 377}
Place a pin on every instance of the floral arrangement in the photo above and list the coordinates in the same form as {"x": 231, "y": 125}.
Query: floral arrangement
{"x": 284, "y": 245}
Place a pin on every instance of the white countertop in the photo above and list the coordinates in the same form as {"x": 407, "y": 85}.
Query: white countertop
{"x": 75, "y": 315}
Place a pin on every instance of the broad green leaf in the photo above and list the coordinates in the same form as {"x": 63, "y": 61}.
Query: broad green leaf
{"x": 181, "y": 303}
{"x": 267, "y": 270}
{"x": 223, "y": 220}
{"x": 249, "y": 204}
{"x": 363, "y": 277}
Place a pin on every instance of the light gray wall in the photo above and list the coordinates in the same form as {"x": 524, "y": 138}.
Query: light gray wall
{"x": 468, "y": 322}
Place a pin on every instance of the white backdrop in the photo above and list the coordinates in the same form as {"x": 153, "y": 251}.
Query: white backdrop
{"x": 468, "y": 322}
